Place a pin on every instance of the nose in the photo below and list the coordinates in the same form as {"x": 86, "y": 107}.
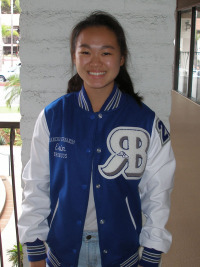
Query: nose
{"x": 95, "y": 60}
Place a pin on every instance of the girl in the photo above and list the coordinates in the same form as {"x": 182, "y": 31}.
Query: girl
{"x": 99, "y": 157}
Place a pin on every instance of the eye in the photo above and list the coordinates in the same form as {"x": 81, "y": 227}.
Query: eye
{"x": 84, "y": 53}
{"x": 106, "y": 53}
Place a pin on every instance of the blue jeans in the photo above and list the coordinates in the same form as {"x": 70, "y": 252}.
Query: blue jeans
{"x": 90, "y": 253}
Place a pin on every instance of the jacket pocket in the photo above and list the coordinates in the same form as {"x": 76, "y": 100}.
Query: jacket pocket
{"x": 52, "y": 260}
{"x": 54, "y": 213}
{"x": 131, "y": 216}
{"x": 131, "y": 261}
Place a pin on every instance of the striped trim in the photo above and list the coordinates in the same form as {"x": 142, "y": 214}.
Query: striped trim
{"x": 151, "y": 257}
{"x": 130, "y": 261}
{"x": 114, "y": 102}
{"x": 79, "y": 101}
{"x": 82, "y": 101}
{"x": 117, "y": 100}
{"x": 36, "y": 250}
{"x": 54, "y": 261}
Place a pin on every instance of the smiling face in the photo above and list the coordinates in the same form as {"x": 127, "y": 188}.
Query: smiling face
{"x": 97, "y": 58}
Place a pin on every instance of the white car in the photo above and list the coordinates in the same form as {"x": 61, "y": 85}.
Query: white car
{"x": 196, "y": 73}
{"x": 4, "y": 75}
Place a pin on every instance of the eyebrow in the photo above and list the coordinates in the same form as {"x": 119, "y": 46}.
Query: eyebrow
{"x": 103, "y": 47}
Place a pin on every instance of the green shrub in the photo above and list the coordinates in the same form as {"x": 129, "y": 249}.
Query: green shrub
{"x": 2, "y": 140}
{"x": 13, "y": 255}
{"x": 6, "y": 130}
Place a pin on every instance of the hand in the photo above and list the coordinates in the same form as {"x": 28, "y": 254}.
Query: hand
{"x": 41, "y": 263}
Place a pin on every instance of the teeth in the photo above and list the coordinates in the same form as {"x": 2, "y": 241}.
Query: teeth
{"x": 96, "y": 73}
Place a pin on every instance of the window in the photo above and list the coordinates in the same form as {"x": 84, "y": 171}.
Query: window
{"x": 187, "y": 58}
{"x": 195, "y": 94}
{"x": 184, "y": 59}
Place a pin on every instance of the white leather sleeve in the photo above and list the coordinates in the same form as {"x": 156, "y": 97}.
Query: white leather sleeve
{"x": 36, "y": 204}
{"x": 155, "y": 188}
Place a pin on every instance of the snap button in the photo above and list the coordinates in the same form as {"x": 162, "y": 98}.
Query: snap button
{"x": 88, "y": 237}
{"x": 84, "y": 186}
{"x": 105, "y": 251}
{"x": 98, "y": 150}
{"x": 98, "y": 186}
{"x": 92, "y": 117}
{"x": 100, "y": 116}
{"x": 102, "y": 221}
{"x": 74, "y": 251}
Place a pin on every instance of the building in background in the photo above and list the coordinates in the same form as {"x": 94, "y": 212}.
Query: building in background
{"x": 6, "y": 20}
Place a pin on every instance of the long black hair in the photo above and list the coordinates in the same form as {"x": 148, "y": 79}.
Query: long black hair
{"x": 101, "y": 18}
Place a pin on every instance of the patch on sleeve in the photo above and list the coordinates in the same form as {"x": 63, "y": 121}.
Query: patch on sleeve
{"x": 163, "y": 132}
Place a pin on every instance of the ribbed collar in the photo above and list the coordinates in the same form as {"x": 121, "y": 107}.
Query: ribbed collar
{"x": 112, "y": 102}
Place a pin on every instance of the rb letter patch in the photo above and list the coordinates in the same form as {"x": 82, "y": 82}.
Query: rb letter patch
{"x": 128, "y": 147}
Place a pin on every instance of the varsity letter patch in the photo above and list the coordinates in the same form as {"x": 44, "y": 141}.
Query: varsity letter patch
{"x": 128, "y": 147}
{"x": 162, "y": 131}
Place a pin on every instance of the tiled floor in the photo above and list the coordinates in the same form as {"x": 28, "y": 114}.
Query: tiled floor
{"x": 185, "y": 212}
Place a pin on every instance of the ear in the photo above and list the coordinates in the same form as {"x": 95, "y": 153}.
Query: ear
{"x": 122, "y": 61}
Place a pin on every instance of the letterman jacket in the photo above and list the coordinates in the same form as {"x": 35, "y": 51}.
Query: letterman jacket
{"x": 126, "y": 150}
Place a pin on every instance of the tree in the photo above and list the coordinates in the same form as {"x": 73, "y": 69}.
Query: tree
{"x": 14, "y": 89}
{"x": 17, "y": 8}
{"x": 6, "y": 6}
{"x": 6, "y": 31}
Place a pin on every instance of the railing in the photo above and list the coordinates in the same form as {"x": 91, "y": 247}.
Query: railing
{"x": 12, "y": 126}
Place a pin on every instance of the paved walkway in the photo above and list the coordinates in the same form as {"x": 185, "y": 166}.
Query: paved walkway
{"x": 7, "y": 210}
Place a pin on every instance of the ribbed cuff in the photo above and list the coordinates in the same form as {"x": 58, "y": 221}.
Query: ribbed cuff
{"x": 150, "y": 258}
{"x": 36, "y": 250}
